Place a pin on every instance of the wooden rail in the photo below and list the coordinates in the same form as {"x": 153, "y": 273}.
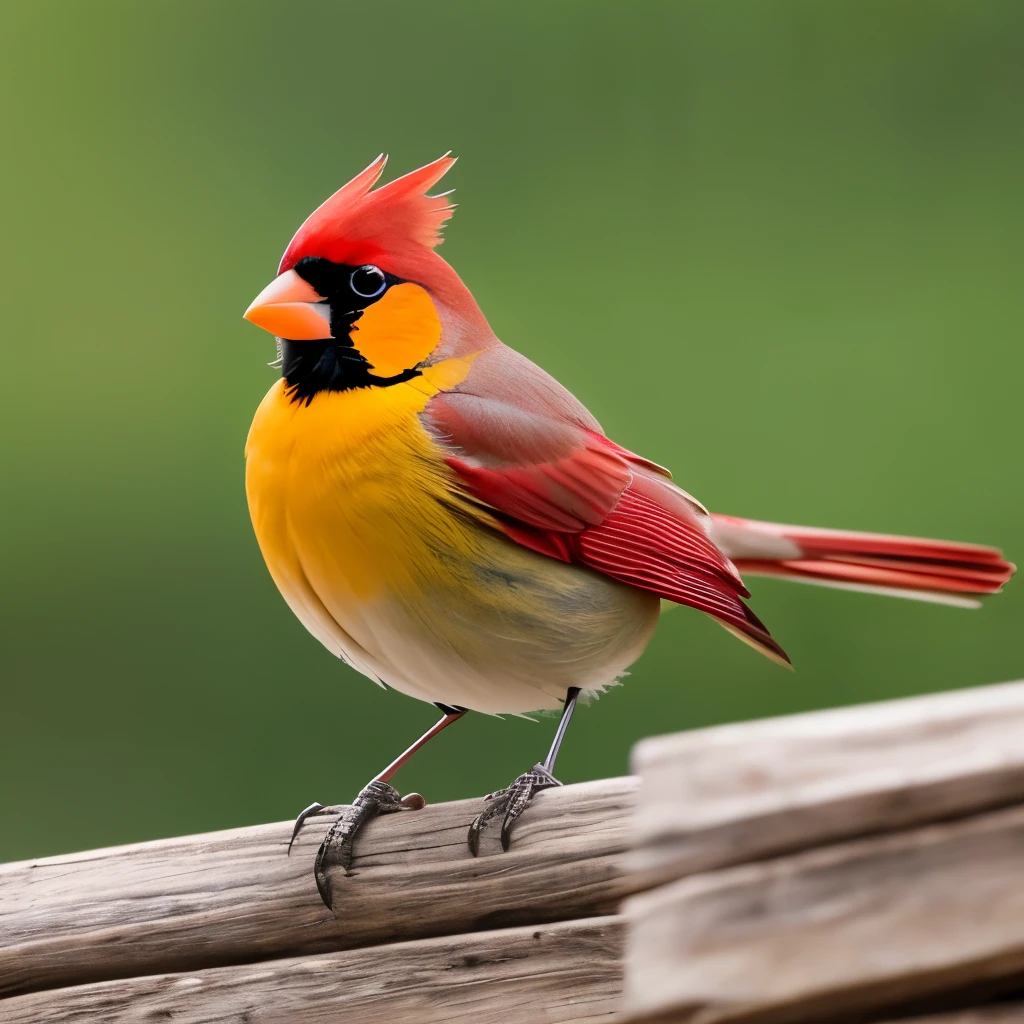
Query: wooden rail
{"x": 857, "y": 865}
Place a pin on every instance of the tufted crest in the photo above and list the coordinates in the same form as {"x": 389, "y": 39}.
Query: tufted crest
{"x": 360, "y": 224}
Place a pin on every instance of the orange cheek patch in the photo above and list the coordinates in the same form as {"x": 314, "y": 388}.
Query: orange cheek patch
{"x": 399, "y": 331}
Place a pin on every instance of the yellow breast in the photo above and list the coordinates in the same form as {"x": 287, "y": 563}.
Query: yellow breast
{"x": 383, "y": 559}
{"x": 350, "y": 495}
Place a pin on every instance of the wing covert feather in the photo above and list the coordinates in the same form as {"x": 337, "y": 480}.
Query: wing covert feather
{"x": 522, "y": 445}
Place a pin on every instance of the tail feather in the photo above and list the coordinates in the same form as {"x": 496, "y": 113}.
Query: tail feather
{"x": 942, "y": 571}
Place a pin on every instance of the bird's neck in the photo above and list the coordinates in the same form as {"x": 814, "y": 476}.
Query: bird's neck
{"x": 310, "y": 367}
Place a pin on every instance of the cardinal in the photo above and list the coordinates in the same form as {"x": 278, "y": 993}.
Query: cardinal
{"x": 450, "y": 521}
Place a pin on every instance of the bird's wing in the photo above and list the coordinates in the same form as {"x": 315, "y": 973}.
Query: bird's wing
{"x": 522, "y": 445}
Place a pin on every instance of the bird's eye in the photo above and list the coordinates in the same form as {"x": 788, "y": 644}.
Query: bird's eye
{"x": 368, "y": 282}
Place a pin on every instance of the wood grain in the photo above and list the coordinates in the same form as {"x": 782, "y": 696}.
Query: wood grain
{"x": 866, "y": 925}
{"x": 741, "y": 792}
{"x": 907, "y": 910}
{"x": 547, "y": 973}
{"x": 232, "y": 897}
{"x": 998, "y": 1013}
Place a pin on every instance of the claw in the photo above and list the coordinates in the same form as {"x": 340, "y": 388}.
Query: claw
{"x": 510, "y": 801}
{"x": 314, "y": 808}
{"x": 336, "y": 849}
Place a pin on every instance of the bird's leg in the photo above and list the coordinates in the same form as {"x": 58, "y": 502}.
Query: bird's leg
{"x": 514, "y": 799}
{"x": 376, "y": 797}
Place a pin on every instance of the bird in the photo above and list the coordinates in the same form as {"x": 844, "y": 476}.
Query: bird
{"x": 450, "y": 521}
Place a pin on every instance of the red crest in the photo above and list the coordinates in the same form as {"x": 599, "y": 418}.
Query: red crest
{"x": 360, "y": 224}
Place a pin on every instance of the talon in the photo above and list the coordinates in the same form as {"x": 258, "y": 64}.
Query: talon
{"x": 323, "y": 886}
{"x": 511, "y": 801}
{"x": 477, "y": 825}
{"x": 337, "y": 847}
{"x": 314, "y": 808}
{"x": 506, "y": 834}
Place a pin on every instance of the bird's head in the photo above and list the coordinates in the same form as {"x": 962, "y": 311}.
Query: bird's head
{"x": 361, "y": 299}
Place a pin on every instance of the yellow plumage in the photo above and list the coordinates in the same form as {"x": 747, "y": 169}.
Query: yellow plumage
{"x": 387, "y": 562}
{"x": 353, "y": 482}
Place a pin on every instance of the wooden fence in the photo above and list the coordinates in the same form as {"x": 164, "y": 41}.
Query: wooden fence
{"x": 858, "y": 865}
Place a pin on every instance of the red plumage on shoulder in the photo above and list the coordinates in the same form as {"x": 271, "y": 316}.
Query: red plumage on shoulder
{"x": 522, "y": 445}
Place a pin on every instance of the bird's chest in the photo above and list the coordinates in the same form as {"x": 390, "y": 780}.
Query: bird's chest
{"x": 348, "y": 495}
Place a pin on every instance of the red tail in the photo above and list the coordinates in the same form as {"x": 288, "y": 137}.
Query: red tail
{"x": 928, "y": 570}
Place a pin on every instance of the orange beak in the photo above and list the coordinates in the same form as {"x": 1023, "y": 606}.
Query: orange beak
{"x": 290, "y": 308}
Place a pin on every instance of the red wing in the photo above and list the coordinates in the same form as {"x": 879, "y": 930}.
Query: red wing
{"x": 646, "y": 544}
{"x": 534, "y": 455}
{"x": 532, "y": 452}
{"x": 566, "y": 494}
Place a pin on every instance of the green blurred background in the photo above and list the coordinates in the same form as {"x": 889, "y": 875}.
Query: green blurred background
{"x": 775, "y": 246}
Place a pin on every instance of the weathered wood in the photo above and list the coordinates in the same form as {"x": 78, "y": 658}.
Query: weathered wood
{"x": 551, "y": 973}
{"x": 232, "y": 897}
{"x": 864, "y": 925}
{"x": 998, "y": 1013}
{"x": 741, "y": 792}
{"x": 918, "y": 895}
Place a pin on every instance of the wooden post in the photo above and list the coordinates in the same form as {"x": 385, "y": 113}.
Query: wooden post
{"x": 847, "y": 863}
{"x": 852, "y": 865}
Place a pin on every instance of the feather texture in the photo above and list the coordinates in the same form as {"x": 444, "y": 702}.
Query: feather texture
{"x": 356, "y": 225}
{"x": 469, "y": 535}
{"x": 946, "y": 572}
{"x": 556, "y": 484}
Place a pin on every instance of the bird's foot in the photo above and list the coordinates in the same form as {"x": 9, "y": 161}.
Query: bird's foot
{"x": 313, "y": 809}
{"x": 512, "y": 801}
{"x": 336, "y": 849}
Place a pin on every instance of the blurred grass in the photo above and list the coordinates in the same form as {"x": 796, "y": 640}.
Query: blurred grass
{"x": 774, "y": 246}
